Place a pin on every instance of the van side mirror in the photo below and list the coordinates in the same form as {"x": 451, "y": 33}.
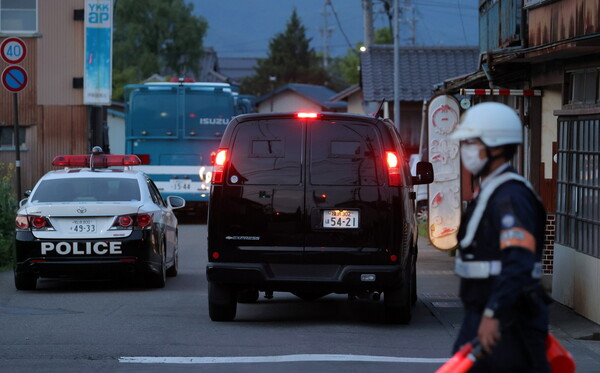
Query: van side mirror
{"x": 424, "y": 173}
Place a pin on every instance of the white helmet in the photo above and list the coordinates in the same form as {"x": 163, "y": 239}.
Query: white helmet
{"x": 494, "y": 123}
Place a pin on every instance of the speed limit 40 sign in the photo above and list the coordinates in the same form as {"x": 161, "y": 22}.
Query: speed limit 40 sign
{"x": 13, "y": 50}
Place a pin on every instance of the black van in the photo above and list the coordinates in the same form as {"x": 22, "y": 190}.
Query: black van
{"x": 312, "y": 204}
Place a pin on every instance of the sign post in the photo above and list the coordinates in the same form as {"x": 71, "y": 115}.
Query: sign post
{"x": 14, "y": 79}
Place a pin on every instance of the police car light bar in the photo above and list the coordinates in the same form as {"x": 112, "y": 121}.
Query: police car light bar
{"x": 100, "y": 161}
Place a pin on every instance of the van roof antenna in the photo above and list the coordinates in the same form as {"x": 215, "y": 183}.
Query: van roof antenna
{"x": 379, "y": 112}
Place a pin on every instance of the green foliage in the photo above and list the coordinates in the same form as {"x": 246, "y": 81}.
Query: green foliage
{"x": 8, "y": 207}
{"x": 384, "y": 36}
{"x": 348, "y": 66}
{"x": 290, "y": 60}
{"x": 155, "y": 36}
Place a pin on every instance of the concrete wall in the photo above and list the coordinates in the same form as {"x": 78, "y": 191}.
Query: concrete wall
{"x": 576, "y": 281}
{"x": 116, "y": 132}
{"x": 355, "y": 104}
{"x": 60, "y": 53}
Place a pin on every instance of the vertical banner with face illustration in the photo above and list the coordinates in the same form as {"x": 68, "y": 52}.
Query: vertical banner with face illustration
{"x": 444, "y": 192}
{"x": 97, "y": 71}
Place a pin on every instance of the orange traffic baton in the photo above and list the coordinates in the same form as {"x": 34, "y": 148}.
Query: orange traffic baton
{"x": 451, "y": 364}
{"x": 560, "y": 360}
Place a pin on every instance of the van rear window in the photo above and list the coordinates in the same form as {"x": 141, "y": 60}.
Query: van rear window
{"x": 267, "y": 152}
{"x": 344, "y": 153}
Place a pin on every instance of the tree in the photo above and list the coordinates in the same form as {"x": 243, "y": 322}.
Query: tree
{"x": 348, "y": 65}
{"x": 155, "y": 36}
{"x": 290, "y": 60}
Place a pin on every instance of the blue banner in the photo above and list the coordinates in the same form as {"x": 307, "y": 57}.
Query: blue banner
{"x": 97, "y": 71}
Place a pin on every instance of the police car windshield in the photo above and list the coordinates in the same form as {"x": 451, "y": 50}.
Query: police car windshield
{"x": 87, "y": 190}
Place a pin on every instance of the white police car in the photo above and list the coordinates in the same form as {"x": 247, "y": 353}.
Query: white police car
{"x": 89, "y": 219}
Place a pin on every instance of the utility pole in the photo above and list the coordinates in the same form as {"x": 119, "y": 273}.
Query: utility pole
{"x": 412, "y": 22}
{"x": 325, "y": 33}
{"x": 368, "y": 22}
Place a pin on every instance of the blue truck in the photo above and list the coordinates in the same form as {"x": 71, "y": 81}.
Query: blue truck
{"x": 174, "y": 128}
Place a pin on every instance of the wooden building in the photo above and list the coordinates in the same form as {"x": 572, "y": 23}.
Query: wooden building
{"x": 52, "y": 116}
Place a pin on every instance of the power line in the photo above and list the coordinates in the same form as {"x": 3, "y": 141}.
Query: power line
{"x": 340, "y": 26}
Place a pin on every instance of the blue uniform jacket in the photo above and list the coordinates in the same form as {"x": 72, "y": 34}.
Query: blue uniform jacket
{"x": 511, "y": 230}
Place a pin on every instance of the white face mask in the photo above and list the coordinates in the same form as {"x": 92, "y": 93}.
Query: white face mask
{"x": 469, "y": 155}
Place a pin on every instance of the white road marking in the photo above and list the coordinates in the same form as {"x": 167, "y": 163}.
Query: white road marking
{"x": 276, "y": 359}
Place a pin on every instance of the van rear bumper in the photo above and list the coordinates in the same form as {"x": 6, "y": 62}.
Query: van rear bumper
{"x": 290, "y": 277}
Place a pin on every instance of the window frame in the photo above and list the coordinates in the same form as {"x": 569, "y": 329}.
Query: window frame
{"x": 4, "y": 10}
{"x": 578, "y": 183}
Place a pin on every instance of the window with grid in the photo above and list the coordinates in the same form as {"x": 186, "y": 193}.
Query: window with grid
{"x": 578, "y": 194}
{"x": 18, "y": 16}
{"x": 7, "y": 137}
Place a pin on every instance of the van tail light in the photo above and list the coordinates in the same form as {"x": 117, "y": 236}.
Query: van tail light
{"x": 134, "y": 221}
{"x": 393, "y": 166}
{"x": 219, "y": 166}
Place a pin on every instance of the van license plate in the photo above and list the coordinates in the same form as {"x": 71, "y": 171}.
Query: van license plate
{"x": 340, "y": 219}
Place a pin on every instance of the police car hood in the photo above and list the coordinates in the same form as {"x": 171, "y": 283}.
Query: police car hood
{"x": 82, "y": 221}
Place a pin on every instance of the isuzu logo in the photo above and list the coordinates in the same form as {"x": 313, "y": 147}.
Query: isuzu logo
{"x": 82, "y": 210}
{"x": 86, "y": 248}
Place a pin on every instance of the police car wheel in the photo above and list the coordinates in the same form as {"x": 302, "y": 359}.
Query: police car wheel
{"x": 222, "y": 302}
{"x": 158, "y": 280}
{"x": 25, "y": 281}
{"x": 174, "y": 269}
{"x": 413, "y": 281}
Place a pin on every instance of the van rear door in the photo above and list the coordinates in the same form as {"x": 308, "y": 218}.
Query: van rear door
{"x": 259, "y": 210}
{"x": 349, "y": 210}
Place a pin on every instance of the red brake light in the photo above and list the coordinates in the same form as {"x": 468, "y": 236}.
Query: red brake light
{"x": 139, "y": 221}
{"x": 144, "y": 220}
{"x": 21, "y": 222}
{"x": 219, "y": 166}
{"x": 393, "y": 168}
{"x": 125, "y": 221}
{"x": 307, "y": 115}
{"x": 221, "y": 157}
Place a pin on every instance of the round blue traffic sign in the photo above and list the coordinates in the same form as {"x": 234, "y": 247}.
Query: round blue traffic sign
{"x": 14, "y": 78}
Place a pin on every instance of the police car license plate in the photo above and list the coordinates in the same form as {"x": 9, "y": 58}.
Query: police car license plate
{"x": 344, "y": 219}
{"x": 82, "y": 226}
{"x": 180, "y": 184}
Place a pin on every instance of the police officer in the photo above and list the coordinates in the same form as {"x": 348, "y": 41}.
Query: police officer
{"x": 501, "y": 240}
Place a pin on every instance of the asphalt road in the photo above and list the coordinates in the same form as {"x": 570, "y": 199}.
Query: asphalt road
{"x": 75, "y": 326}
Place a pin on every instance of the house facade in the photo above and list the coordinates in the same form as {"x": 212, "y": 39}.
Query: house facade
{"x": 542, "y": 57}
{"x": 420, "y": 69}
{"x": 53, "y": 118}
{"x": 299, "y": 97}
